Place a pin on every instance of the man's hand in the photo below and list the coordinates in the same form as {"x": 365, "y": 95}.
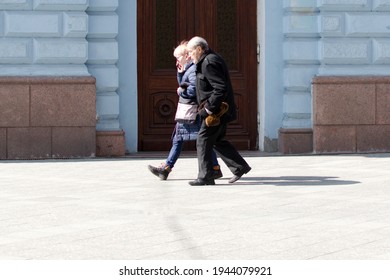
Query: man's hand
{"x": 203, "y": 113}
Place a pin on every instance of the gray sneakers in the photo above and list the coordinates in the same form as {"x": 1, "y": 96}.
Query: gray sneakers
{"x": 162, "y": 172}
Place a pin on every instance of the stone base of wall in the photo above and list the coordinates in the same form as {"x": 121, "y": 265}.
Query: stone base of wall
{"x": 110, "y": 143}
{"x": 47, "y": 117}
{"x": 351, "y": 114}
{"x": 295, "y": 141}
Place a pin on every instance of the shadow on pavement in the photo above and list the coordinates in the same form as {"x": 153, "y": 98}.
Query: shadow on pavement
{"x": 283, "y": 181}
{"x": 295, "y": 181}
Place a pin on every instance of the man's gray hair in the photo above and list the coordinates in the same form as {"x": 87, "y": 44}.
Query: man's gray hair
{"x": 198, "y": 41}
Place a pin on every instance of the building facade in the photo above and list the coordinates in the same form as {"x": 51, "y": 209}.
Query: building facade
{"x": 72, "y": 72}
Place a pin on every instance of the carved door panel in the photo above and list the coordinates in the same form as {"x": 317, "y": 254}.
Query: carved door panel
{"x": 229, "y": 26}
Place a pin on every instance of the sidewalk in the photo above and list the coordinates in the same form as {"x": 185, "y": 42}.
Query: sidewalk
{"x": 287, "y": 207}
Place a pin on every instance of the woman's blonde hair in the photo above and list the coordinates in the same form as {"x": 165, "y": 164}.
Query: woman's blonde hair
{"x": 181, "y": 49}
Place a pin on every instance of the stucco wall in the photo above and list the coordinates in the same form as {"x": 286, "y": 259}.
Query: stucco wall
{"x": 298, "y": 40}
{"x": 270, "y": 28}
{"x": 330, "y": 38}
{"x": 57, "y": 38}
{"x": 64, "y": 38}
{"x": 103, "y": 54}
{"x": 45, "y": 84}
{"x": 43, "y": 37}
{"x": 127, "y": 64}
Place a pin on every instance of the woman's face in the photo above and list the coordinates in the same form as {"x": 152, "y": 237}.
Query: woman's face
{"x": 181, "y": 59}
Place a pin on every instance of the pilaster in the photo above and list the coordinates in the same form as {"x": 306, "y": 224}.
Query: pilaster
{"x": 102, "y": 63}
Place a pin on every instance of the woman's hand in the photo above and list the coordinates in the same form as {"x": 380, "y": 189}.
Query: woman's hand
{"x": 180, "y": 90}
{"x": 180, "y": 68}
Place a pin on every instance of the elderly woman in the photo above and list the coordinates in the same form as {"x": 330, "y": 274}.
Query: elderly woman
{"x": 186, "y": 128}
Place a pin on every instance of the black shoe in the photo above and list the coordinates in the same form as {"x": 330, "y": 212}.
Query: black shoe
{"x": 201, "y": 182}
{"x": 239, "y": 174}
{"x": 162, "y": 172}
{"x": 217, "y": 174}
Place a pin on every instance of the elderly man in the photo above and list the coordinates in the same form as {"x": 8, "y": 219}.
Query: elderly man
{"x": 213, "y": 87}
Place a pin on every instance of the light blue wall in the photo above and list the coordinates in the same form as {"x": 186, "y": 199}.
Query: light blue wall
{"x": 329, "y": 38}
{"x": 102, "y": 61}
{"x": 298, "y": 39}
{"x": 43, "y": 38}
{"x": 127, "y": 65}
{"x": 301, "y": 61}
{"x": 271, "y": 65}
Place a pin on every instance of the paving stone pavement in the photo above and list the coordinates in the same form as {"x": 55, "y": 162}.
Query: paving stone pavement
{"x": 321, "y": 207}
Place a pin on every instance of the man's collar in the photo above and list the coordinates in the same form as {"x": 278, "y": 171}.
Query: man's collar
{"x": 204, "y": 54}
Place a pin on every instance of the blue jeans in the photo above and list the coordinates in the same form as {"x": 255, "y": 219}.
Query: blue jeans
{"x": 176, "y": 150}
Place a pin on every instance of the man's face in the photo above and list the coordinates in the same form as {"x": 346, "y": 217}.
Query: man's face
{"x": 195, "y": 53}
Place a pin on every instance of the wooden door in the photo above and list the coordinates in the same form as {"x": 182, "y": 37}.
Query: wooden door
{"x": 229, "y": 26}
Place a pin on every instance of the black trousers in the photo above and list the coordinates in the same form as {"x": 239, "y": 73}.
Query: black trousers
{"x": 210, "y": 138}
